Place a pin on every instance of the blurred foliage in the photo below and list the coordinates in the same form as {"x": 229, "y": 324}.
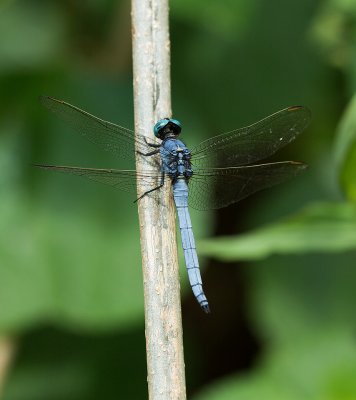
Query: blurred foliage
{"x": 308, "y": 370}
{"x": 308, "y": 231}
{"x": 70, "y": 273}
{"x": 228, "y": 19}
{"x": 345, "y": 150}
{"x": 303, "y": 309}
{"x": 77, "y": 367}
{"x": 334, "y": 31}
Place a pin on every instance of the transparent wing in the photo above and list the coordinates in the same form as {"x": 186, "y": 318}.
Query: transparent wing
{"x": 121, "y": 179}
{"x": 109, "y": 136}
{"x": 213, "y": 188}
{"x": 252, "y": 143}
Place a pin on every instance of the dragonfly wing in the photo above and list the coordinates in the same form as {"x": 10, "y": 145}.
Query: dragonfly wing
{"x": 109, "y": 136}
{"x": 219, "y": 187}
{"x": 120, "y": 179}
{"x": 252, "y": 143}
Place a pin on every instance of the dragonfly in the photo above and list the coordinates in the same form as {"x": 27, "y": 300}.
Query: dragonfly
{"x": 220, "y": 171}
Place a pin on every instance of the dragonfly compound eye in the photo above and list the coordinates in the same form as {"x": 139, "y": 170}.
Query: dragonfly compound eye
{"x": 173, "y": 125}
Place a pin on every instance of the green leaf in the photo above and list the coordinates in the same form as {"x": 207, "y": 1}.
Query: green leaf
{"x": 320, "y": 367}
{"x": 67, "y": 268}
{"x": 324, "y": 227}
{"x": 62, "y": 262}
{"x": 333, "y": 30}
{"x": 345, "y": 151}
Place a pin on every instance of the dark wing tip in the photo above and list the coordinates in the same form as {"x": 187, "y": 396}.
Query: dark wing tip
{"x": 45, "y": 166}
{"x": 299, "y": 108}
{"x": 298, "y": 165}
{"x": 294, "y": 108}
{"x": 40, "y": 165}
{"x": 53, "y": 167}
{"x": 43, "y": 99}
{"x": 301, "y": 164}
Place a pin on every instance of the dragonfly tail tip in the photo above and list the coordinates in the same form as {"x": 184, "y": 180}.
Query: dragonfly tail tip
{"x": 206, "y": 308}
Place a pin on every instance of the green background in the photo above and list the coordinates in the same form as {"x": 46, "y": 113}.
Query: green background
{"x": 279, "y": 268}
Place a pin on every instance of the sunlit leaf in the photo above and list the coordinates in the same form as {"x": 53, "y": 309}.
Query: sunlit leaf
{"x": 317, "y": 367}
{"x": 329, "y": 227}
{"x": 345, "y": 150}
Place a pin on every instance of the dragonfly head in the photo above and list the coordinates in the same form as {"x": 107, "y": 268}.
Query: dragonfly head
{"x": 167, "y": 126}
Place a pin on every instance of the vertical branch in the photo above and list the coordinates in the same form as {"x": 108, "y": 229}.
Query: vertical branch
{"x": 164, "y": 342}
{"x": 7, "y": 348}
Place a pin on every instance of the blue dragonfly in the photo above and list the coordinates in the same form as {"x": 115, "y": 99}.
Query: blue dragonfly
{"x": 218, "y": 172}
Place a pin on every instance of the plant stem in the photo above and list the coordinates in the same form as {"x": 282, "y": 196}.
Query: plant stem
{"x": 7, "y": 348}
{"x": 164, "y": 336}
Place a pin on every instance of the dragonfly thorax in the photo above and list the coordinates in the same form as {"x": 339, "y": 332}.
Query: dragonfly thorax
{"x": 176, "y": 158}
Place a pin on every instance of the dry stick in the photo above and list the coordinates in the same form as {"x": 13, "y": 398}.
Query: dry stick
{"x": 7, "y": 348}
{"x": 164, "y": 337}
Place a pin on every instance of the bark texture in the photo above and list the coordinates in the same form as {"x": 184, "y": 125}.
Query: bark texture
{"x": 152, "y": 101}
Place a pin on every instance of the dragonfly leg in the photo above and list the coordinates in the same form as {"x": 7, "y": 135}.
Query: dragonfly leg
{"x": 152, "y": 190}
{"x": 151, "y": 153}
{"x": 155, "y": 145}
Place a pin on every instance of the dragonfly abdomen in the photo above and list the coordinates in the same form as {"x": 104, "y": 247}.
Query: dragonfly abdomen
{"x": 180, "y": 194}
